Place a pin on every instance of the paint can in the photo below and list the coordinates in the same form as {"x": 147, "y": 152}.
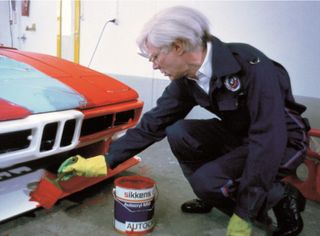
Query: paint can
{"x": 134, "y": 204}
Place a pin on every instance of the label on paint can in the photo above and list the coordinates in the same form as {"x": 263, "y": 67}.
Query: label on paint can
{"x": 128, "y": 226}
{"x": 135, "y": 195}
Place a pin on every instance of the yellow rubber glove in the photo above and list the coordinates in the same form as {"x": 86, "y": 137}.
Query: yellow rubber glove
{"x": 77, "y": 165}
{"x": 238, "y": 227}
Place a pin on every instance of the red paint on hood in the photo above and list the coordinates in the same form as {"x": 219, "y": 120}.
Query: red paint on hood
{"x": 10, "y": 111}
{"x": 97, "y": 88}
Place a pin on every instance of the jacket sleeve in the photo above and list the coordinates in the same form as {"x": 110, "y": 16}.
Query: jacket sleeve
{"x": 267, "y": 138}
{"x": 174, "y": 104}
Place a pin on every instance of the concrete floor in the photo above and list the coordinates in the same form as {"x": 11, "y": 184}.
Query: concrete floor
{"x": 91, "y": 211}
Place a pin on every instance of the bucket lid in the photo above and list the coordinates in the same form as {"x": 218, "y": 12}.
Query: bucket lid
{"x": 134, "y": 182}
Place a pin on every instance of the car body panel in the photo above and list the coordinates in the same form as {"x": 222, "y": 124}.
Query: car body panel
{"x": 97, "y": 88}
{"x": 22, "y": 84}
{"x": 10, "y": 111}
{"x": 15, "y": 199}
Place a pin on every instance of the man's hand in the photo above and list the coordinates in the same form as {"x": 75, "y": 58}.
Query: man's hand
{"x": 77, "y": 165}
{"x": 238, "y": 227}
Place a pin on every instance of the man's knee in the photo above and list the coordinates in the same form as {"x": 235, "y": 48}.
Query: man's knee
{"x": 177, "y": 131}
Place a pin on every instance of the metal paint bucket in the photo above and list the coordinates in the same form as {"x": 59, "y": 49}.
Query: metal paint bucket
{"x": 134, "y": 204}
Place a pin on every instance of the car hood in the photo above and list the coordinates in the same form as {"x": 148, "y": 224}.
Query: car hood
{"x": 33, "y": 83}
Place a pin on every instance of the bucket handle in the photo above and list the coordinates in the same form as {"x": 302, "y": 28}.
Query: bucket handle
{"x": 116, "y": 199}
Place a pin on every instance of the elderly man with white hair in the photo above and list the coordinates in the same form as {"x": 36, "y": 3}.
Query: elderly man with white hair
{"x": 237, "y": 161}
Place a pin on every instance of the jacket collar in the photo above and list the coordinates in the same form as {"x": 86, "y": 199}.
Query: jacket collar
{"x": 223, "y": 61}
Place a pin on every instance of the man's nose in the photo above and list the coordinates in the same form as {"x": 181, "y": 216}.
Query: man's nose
{"x": 155, "y": 66}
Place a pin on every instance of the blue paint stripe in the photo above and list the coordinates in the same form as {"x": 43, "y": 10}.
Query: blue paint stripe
{"x": 24, "y": 85}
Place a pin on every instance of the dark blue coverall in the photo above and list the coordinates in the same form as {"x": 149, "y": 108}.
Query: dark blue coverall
{"x": 234, "y": 161}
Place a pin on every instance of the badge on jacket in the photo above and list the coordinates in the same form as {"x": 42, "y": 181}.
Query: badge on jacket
{"x": 232, "y": 83}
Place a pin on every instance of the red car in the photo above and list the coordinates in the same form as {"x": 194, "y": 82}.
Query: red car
{"x": 51, "y": 109}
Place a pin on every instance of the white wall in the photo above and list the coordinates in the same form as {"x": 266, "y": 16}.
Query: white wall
{"x": 4, "y": 24}
{"x": 287, "y": 31}
{"x": 43, "y": 13}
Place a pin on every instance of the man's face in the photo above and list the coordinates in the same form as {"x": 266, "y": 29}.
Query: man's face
{"x": 169, "y": 61}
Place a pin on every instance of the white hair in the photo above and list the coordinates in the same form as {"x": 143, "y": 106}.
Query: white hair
{"x": 175, "y": 23}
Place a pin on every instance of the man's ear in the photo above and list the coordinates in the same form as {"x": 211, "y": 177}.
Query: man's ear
{"x": 179, "y": 46}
